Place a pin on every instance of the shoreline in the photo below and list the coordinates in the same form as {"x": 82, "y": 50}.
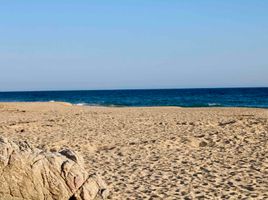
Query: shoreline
{"x": 116, "y": 106}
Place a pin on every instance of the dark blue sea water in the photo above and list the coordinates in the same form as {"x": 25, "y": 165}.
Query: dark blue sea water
{"x": 228, "y": 97}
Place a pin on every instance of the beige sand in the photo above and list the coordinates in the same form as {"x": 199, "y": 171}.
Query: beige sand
{"x": 155, "y": 153}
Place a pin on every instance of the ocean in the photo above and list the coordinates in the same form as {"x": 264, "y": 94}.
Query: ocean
{"x": 220, "y": 97}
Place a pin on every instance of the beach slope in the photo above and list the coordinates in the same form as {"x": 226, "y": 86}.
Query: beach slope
{"x": 157, "y": 153}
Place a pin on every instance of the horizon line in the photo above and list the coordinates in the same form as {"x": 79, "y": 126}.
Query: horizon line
{"x": 190, "y": 88}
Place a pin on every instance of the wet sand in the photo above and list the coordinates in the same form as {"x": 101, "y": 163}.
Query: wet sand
{"x": 155, "y": 153}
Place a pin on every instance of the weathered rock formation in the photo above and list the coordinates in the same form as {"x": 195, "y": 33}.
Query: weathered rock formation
{"x": 30, "y": 173}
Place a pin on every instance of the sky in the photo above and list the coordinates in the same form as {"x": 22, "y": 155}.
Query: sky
{"x": 127, "y": 44}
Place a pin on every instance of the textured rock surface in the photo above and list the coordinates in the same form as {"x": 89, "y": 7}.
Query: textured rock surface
{"x": 30, "y": 173}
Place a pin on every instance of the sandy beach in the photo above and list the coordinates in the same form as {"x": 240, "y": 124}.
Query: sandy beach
{"x": 154, "y": 153}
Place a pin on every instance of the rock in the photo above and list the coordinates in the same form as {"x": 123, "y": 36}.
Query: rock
{"x": 30, "y": 173}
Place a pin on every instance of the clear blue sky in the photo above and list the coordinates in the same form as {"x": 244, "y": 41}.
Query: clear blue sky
{"x": 83, "y": 44}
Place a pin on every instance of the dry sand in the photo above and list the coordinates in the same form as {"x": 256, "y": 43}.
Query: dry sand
{"x": 155, "y": 153}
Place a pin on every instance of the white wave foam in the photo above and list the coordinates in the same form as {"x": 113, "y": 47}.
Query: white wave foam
{"x": 214, "y": 104}
{"x": 80, "y": 104}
